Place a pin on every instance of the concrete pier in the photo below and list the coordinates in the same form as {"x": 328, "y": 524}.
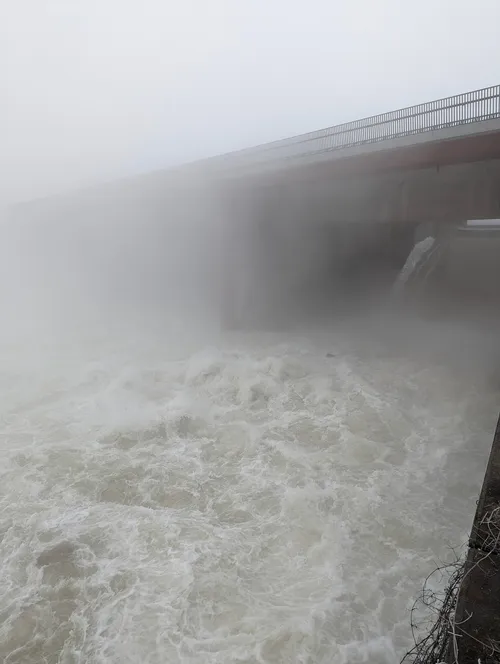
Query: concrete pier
{"x": 475, "y": 634}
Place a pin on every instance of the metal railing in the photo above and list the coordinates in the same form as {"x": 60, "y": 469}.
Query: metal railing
{"x": 476, "y": 106}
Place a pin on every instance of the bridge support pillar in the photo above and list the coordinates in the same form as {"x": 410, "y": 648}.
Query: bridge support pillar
{"x": 242, "y": 266}
{"x": 233, "y": 275}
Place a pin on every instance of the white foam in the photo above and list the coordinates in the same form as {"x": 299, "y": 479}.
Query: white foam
{"x": 254, "y": 502}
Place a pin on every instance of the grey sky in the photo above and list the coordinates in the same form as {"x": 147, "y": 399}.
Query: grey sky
{"x": 97, "y": 89}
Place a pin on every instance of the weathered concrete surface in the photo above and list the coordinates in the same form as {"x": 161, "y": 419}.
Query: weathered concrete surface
{"x": 477, "y": 620}
{"x": 448, "y": 194}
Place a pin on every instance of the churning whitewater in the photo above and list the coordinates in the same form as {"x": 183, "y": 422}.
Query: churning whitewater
{"x": 243, "y": 500}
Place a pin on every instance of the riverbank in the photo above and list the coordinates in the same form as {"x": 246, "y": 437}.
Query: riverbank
{"x": 476, "y": 628}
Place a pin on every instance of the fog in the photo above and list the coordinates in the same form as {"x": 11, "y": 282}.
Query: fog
{"x": 153, "y": 259}
{"x": 97, "y": 90}
{"x": 104, "y": 259}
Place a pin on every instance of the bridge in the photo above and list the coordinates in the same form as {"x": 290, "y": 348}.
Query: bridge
{"x": 450, "y": 119}
{"x": 350, "y": 199}
{"x": 436, "y": 163}
{"x": 437, "y": 160}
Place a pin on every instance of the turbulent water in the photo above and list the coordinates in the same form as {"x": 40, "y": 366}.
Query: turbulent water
{"x": 245, "y": 499}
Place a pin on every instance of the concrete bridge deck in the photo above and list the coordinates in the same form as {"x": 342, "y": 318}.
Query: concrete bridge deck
{"x": 437, "y": 162}
{"x": 431, "y": 162}
{"x": 469, "y": 125}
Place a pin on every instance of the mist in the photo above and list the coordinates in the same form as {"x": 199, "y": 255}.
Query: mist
{"x": 151, "y": 260}
{"x": 106, "y": 259}
{"x": 97, "y": 91}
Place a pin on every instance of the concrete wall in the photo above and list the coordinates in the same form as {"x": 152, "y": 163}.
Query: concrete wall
{"x": 471, "y": 271}
{"x": 448, "y": 194}
{"x": 283, "y": 272}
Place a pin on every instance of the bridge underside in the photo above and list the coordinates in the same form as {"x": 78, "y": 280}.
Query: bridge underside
{"x": 276, "y": 277}
{"x": 451, "y": 193}
{"x": 308, "y": 244}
